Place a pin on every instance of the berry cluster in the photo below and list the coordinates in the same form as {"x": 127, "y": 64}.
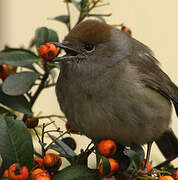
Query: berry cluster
{"x": 42, "y": 169}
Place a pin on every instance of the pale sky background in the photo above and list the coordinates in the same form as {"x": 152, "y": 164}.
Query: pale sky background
{"x": 153, "y": 22}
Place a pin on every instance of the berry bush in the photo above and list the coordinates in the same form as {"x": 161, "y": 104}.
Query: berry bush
{"x": 24, "y": 74}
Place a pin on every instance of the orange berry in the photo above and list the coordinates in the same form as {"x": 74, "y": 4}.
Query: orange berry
{"x": 52, "y": 162}
{"x": 166, "y": 178}
{"x": 126, "y": 30}
{"x": 5, "y": 174}
{"x": 107, "y": 147}
{"x": 42, "y": 178}
{"x": 114, "y": 167}
{"x": 32, "y": 122}
{"x": 39, "y": 172}
{"x": 149, "y": 168}
{"x": 16, "y": 172}
{"x": 48, "y": 51}
{"x": 175, "y": 175}
{"x": 6, "y": 70}
{"x": 38, "y": 163}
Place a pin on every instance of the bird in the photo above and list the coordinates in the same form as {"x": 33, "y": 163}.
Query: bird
{"x": 111, "y": 86}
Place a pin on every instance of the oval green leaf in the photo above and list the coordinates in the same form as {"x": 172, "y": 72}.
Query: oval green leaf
{"x": 19, "y": 83}
{"x": 17, "y": 103}
{"x": 15, "y": 143}
{"x": 63, "y": 18}
{"x": 106, "y": 166}
{"x": 77, "y": 172}
{"x": 18, "y": 57}
{"x": 44, "y": 35}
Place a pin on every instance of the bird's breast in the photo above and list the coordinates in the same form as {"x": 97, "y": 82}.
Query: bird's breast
{"x": 114, "y": 105}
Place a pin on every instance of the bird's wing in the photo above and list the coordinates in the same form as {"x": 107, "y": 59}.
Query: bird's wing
{"x": 152, "y": 75}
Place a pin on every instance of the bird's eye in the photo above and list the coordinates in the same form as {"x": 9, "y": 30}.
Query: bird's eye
{"x": 89, "y": 47}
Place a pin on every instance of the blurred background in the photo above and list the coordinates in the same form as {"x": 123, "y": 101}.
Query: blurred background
{"x": 152, "y": 22}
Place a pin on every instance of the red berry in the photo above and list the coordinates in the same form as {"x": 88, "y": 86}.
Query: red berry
{"x": 149, "y": 168}
{"x": 6, "y": 70}
{"x": 40, "y": 174}
{"x": 6, "y": 173}
{"x": 32, "y": 122}
{"x": 52, "y": 162}
{"x": 48, "y": 51}
{"x": 166, "y": 178}
{"x": 175, "y": 175}
{"x": 107, "y": 147}
{"x": 114, "y": 167}
{"x": 16, "y": 172}
{"x": 38, "y": 163}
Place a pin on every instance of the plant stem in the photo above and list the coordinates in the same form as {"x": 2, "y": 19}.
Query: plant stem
{"x": 51, "y": 116}
{"x": 100, "y": 14}
{"x": 69, "y": 14}
{"x": 41, "y": 86}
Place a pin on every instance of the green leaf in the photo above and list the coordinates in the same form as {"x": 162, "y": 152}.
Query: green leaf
{"x": 18, "y": 57}
{"x": 19, "y": 83}
{"x": 63, "y": 18}
{"x": 68, "y": 151}
{"x": 6, "y": 111}
{"x": 15, "y": 143}
{"x": 41, "y": 36}
{"x": 44, "y": 35}
{"x": 76, "y": 172}
{"x": 52, "y": 36}
{"x": 17, "y": 103}
{"x": 3, "y": 110}
{"x": 136, "y": 154}
{"x": 106, "y": 166}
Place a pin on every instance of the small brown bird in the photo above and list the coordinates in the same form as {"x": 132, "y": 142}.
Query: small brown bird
{"x": 111, "y": 86}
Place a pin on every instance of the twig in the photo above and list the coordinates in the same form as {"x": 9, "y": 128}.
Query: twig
{"x": 57, "y": 138}
{"x": 109, "y": 14}
{"x": 51, "y": 116}
{"x": 40, "y": 142}
{"x": 41, "y": 86}
{"x": 55, "y": 130}
{"x": 42, "y": 135}
{"x": 101, "y": 5}
{"x": 50, "y": 85}
{"x": 69, "y": 14}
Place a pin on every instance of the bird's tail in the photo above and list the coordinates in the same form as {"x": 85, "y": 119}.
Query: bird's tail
{"x": 168, "y": 145}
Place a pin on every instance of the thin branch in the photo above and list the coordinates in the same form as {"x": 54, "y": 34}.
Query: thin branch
{"x": 41, "y": 86}
{"x": 51, "y": 116}
{"x": 101, "y": 5}
{"x": 57, "y": 138}
{"x": 69, "y": 14}
{"x": 50, "y": 85}
{"x": 109, "y": 14}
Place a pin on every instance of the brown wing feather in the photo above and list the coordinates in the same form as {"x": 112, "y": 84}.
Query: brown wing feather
{"x": 151, "y": 73}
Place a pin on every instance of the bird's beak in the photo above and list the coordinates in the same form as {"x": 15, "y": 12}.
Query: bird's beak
{"x": 71, "y": 53}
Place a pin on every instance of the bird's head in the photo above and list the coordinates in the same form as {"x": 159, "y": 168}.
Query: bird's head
{"x": 94, "y": 42}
